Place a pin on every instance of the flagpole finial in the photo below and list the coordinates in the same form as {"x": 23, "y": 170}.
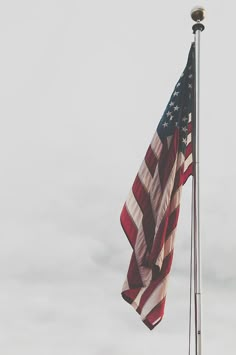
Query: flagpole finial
{"x": 198, "y": 14}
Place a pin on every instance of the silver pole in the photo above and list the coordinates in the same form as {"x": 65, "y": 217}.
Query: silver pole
{"x": 198, "y": 15}
{"x": 197, "y": 250}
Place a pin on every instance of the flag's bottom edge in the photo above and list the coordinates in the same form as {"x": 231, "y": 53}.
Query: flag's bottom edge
{"x": 153, "y": 318}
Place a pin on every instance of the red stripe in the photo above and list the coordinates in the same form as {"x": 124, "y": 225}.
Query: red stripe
{"x": 167, "y": 224}
{"x": 187, "y": 173}
{"x": 129, "y": 226}
{"x": 151, "y": 160}
{"x": 130, "y": 295}
{"x": 173, "y": 220}
{"x": 144, "y": 202}
{"x": 156, "y": 313}
{"x": 133, "y": 276}
{"x": 140, "y": 193}
{"x": 188, "y": 150}
{"x": 167, "y": 158}
{"x": 178, "y": 180}
{"x": 159, "y": 239}
{"x": 157, "y": 280}
{"x": 190, "y": 126}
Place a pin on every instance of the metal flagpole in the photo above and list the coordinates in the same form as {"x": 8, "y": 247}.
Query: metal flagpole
{"x": 197, "y": 15}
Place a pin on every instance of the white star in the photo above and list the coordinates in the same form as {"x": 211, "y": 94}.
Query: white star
{"x": 176, "y": 93}
{"x": 176, "y": 108}
{"x": 172, "y": 103}
{"x": 184, "y": 129}
{"x": 190, "y": 76}
{"x": 185, "y": 119}
{"x": 190, "y": 67}
{"x": 190, "y": 86}
{"x": 184, "y": 140}
{"x": 171, "y": 118}
{"x": 176, "y": 123}
{"x": 165, "y": 124}
{"x": 178, "y": 85}
{"x": 168, "y": 114}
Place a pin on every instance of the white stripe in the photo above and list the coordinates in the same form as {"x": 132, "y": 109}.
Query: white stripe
{"x": 136, "y": 302}
{"x": 156, "y": 145}
{"x": 161, "y": 205}
{"x": 169, "y": 140}
{"x": 168, "y": 189}
{"x": 169, "y": 245}
{"x": 160, "y": 202}
{"x": 156, "y": 321}
{"x": 189, "y": 138}
{"x": 188, "y": 161}
{"x": 180, "y": 161}
{"x": 176, "y": 199}
{"x": 140, "y": 250}
{"x": 145, "y": 176}
{"x": 155, "y": 191}
{"x": 160, "y": 258}
{"x": 134, "y": 209}
{"x": 125, "y": 286}
{"x": 156, "y": 297}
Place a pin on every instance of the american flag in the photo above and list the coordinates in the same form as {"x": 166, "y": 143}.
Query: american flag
{"x": 150, "y": 214}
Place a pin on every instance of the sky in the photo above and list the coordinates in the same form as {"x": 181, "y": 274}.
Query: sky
{"x": 83, "y": 86}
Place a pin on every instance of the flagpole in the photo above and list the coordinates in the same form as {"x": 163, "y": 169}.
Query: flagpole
{"x": 197, "y": 15}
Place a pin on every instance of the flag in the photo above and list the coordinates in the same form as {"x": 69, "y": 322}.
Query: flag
{"x": 150, "y": 214}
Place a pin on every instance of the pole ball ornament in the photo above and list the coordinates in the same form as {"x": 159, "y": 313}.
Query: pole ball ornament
{"x": 198, "y": 14}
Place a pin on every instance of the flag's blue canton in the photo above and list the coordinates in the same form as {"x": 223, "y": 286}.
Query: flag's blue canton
{"x": 180, "y": 105}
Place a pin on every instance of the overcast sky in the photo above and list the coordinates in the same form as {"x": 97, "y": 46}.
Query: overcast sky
{"x": 83, "y": 86}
